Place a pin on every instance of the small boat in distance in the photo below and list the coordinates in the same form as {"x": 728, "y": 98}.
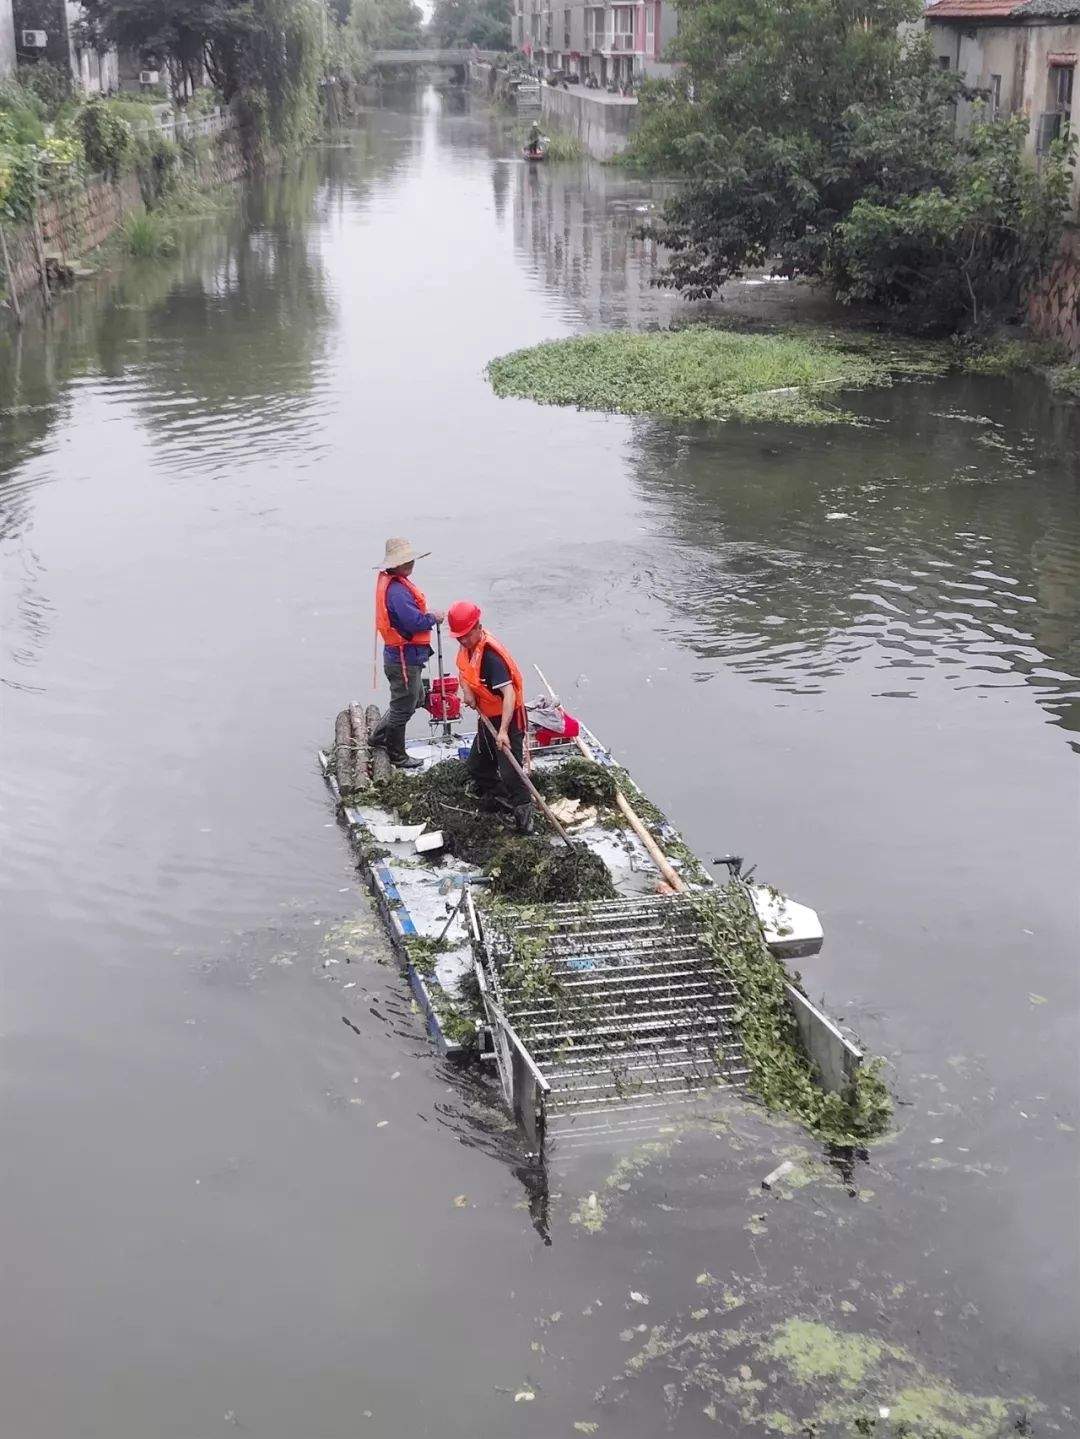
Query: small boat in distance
{"x": 534, "y": 152}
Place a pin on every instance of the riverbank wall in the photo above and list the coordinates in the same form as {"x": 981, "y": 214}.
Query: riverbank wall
{"x": 1054, "y": 304}
{"x": 602, "y": 122}
{"x": 72, "y": 221}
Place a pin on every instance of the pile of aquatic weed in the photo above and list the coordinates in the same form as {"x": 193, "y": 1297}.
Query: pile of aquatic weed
{"x": 781, "y": 1074}
{"x": 704, "y": 373}
{"x": 581, "y": 779}
{"x": 525, "y": 868}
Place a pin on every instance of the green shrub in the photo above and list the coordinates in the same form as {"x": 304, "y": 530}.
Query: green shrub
{"x": 106, "y": 137}
{"x": 22, "y": 116}
{"x": 49, "y": 83}
{"x": 157, "y": 160}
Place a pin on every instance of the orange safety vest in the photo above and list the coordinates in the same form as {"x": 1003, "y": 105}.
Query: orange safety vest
{"x": 489, "y": 702}
{"x": 382, "y": 614}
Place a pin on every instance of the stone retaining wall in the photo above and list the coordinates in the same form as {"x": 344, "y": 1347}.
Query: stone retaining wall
{"x": 82, "y": 217}
{"x": 1054, "y": 306}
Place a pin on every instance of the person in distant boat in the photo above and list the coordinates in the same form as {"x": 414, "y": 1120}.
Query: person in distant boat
{"x": 404, "y": 622}
{"x": 533, "y": 142}
{"x": 491, "y": 683}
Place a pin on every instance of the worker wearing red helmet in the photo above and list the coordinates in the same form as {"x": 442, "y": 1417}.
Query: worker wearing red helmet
{"x": 491, "y": 683}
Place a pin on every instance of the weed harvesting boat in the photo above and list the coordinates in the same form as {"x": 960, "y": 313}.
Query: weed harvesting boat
{"x": 605, "y": 974}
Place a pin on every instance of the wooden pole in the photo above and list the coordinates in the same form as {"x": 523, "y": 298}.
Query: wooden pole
{"x": 656, "y": 854}
{"x": 46, "y": 293}
{"x": 12, "y": 288}
{"x": 537, "y": 796}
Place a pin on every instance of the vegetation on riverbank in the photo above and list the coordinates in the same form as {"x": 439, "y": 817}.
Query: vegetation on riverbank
{"x": 829, "y": 149}
{"x": 1047, "y": 358}
{"x": 704, "y": 373}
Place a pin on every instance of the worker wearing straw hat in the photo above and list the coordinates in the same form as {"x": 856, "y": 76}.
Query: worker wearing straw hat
{"x": 404, "y": 622}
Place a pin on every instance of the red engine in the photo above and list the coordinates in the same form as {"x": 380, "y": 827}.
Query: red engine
{"x": 444, "y": 701}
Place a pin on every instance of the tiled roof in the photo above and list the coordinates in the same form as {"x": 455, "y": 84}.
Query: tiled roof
{"x": 1003, "y": 10}
{"x": 974, "y": 10}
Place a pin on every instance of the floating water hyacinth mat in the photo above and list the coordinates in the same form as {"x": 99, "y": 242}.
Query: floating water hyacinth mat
{"x": 704, "y": 373}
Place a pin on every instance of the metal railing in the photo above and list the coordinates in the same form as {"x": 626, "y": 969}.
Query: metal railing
{"x": 179, "y": 126}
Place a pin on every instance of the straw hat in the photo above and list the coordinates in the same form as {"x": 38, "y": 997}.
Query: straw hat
{"x": 400, "y": 552}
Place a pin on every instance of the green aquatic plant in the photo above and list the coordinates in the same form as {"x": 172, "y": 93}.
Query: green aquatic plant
{"x": 781, "y": 1073}
{"x": 147, "y": 237}
{"x": 704, "y": 373}
{"x": 523, "y": 868}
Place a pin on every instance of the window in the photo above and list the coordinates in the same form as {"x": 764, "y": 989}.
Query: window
{"x": 566, "y": 30}
{"x": 995, "y": 96}
{"x": 650, "y": 21}
{"x": 1061, "y": 88}
{"x": 943, "y": 61}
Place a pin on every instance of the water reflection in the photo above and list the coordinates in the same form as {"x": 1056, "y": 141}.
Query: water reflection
{"x": 936, "y": 540}
{"x": 575, "y": 226}
{"x": 132, "y": 347}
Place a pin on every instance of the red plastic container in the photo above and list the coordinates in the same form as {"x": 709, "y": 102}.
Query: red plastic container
{"x": 570, "y": 730}
{"x": 444, "y": 701}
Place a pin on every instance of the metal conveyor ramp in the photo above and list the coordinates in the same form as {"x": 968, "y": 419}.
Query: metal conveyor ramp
{"x": 609, "y": 1011}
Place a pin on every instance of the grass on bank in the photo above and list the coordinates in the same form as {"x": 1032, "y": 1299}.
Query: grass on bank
{"x": 1047, "y": 358}
{"x": 147, "y": 236}
{"x": 703, "y": 373}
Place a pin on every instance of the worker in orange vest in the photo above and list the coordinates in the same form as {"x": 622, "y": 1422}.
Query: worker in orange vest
{"x": 404, "y": 622}
{"x": 491, "y": 683}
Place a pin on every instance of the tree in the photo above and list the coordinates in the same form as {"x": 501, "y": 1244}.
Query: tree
{"x": 787, "y": 118}
{"x": 456, "y": 24}
{"x": 267, "y": 54}
{"x": 387, "y": 24}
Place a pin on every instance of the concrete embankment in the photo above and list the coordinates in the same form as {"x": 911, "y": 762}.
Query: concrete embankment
{"x": 602, "y": 122}
{"x": 77, "y": 219}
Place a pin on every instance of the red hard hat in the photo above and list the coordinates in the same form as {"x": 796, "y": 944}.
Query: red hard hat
{"x": 462, "y": 616}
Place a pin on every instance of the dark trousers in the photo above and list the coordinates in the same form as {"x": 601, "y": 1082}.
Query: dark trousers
{"x": 492, "y": 772}
{"x": 406, "y": 692}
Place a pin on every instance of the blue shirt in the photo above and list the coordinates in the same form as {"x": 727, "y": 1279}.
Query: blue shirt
{"x": 408, "y": 619}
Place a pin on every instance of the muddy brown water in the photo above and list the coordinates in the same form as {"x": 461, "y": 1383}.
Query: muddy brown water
{"x": 850, "y": 655}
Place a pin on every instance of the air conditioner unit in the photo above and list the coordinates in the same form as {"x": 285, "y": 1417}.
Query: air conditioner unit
{"x": 149, "y": 77}
{"x": 34, "y": 39}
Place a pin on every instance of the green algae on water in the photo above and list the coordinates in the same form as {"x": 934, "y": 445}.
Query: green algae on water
{"x": 705, "y": 373}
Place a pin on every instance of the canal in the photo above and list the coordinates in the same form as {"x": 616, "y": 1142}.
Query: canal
{"x": 240, "y": 1194}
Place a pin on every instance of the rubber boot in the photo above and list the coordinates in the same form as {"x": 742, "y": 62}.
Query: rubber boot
{"x": 524, "y": 817}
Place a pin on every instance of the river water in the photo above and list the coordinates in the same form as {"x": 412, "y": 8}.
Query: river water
{"x": 850, "y": 655}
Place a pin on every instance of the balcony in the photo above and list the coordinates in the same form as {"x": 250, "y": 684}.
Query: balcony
{"x": 622, "y": 40}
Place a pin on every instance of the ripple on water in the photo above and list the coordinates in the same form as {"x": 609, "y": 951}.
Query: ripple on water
{"x": 792, "y": 589}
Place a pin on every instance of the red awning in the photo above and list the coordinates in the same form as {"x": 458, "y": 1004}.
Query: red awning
{"x": 1065, "y": 57}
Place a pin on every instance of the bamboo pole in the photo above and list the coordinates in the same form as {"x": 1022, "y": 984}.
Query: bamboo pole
{"x": 12, "y": 288}
{"x": 656, "y": 854}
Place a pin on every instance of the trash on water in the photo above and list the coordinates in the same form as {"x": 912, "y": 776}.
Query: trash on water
{"x": 777, "y": 1174}
{"x": 425, "y": 843}
{"x": 382, "y": 1124}
{"x": 524, "y": 1396}
{"x": 638, "y": 1297}
{"x": 461, "y": 1201}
